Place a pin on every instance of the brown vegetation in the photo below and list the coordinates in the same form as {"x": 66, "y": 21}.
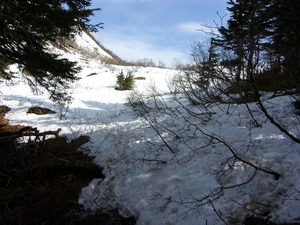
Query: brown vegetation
{"x": 140, "y": 78}
{"x": 40, "y": 110}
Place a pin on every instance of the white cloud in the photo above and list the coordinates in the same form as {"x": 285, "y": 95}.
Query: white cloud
{"x": 133, "y": 47}
{"x": 190, "y": 27}
{"x": 201, "y": 28}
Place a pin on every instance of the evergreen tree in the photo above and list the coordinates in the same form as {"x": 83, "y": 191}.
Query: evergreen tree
{"x": 212, "y": 61}
{"x": 259, "y": 28}
{"x": 285, "y": 35}
{"x": 26, "y": 27}
{"x": 205, "y": 59}
{"x": 244, "y": 34}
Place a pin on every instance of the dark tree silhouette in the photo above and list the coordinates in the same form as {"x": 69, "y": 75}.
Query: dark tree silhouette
{"x": 25, "y": 29}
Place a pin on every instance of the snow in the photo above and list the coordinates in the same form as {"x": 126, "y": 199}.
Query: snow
{"x": 146, "y": 180}
{"x": 84, "y": 40}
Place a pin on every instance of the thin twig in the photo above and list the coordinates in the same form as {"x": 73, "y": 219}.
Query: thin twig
{"x": 60, "y": 158}
{"x": 218, "y": 214}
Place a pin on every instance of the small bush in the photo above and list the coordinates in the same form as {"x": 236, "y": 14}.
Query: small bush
{"x": 145, "y": 62}
{"x": 125, "y": 82}
{"x": 162, "y": 65}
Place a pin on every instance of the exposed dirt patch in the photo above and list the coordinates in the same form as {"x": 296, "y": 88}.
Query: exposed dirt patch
{"x": 140, "y": 78}
{"x": 40, "y": 111}
{"x": 3, "y": 110}
{"x": 42, "y": 186}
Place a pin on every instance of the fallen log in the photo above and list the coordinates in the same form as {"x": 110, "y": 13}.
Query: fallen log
{"x": 32, "y": 133}
{"x": 37, "y": 134}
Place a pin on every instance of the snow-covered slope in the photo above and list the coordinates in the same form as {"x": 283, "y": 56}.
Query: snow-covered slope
{"x": 142, "y": 177}
{"x": 84, "y": 40}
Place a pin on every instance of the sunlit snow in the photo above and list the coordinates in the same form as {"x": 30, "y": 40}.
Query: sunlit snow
{"x": 164, "y": 192}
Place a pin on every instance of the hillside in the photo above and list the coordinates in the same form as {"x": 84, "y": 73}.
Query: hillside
{"x": 41, "y": 180}
{"x": 158, "y": 166}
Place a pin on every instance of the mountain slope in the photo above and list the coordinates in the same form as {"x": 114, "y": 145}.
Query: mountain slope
{"x": 87, "y": 40}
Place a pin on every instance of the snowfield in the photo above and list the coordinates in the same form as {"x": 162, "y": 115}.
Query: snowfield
{"x": 143, "y": 178}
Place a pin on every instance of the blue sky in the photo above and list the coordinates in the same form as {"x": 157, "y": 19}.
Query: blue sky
{"x": 157, "y": 29}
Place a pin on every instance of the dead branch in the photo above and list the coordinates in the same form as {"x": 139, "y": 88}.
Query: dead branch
{"x": 44, "y": 134}
{"x": 233, "y": 150}
{"x": 60, "y": 158}
{"x": 13, "y": 139}
{"x": 218, "y": 214}
{"x": 271, "y": 118}
{"x": 156, "y": 130}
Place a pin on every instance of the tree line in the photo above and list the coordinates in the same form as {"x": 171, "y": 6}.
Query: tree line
{"x": 264, "y": 33}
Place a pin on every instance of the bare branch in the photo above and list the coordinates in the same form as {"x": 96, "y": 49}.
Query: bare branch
{"x": 218, "y": 214}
